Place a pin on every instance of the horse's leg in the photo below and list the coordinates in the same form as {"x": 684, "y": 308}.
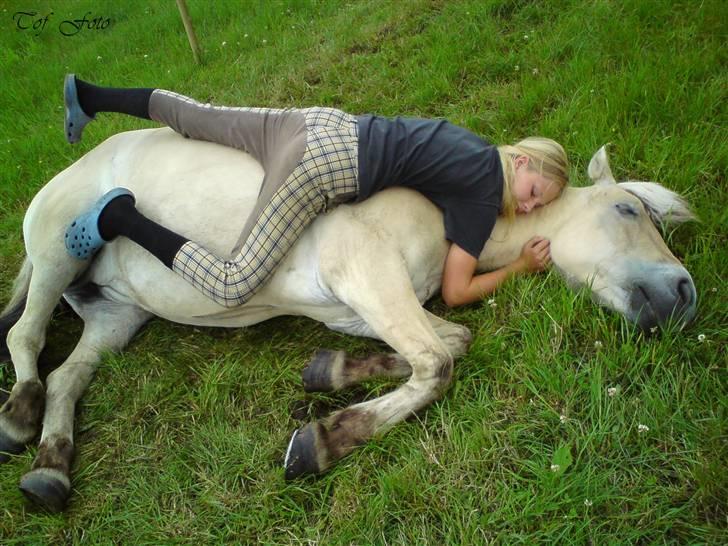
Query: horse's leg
{"x": 395, "y": 314}
{"x": 108, "y": 327}
{"x": 334, "y": 370}
{"x": 21, "y": 414}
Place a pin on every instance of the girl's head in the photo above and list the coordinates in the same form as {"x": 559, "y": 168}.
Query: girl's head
{"x": 535, "y": 170}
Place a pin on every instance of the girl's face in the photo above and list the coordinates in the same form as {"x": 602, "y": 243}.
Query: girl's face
{"x": 530, "y": 188}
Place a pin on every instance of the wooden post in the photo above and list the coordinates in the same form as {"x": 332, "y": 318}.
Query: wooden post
{"x": 182, "y": 5}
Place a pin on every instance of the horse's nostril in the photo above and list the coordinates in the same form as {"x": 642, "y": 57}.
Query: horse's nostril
{"x": 684, "y": 291}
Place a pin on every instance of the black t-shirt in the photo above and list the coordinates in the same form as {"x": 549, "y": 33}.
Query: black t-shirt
{"x": 454, "y": 168}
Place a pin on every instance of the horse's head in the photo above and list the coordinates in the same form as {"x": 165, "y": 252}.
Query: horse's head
{"x": 610, "y": 242}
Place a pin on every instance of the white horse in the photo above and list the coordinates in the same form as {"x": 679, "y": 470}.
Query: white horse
{"x": 363, "y": 269}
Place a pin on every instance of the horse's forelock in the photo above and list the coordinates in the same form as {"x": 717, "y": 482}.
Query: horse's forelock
{"x": 663, "y": 206}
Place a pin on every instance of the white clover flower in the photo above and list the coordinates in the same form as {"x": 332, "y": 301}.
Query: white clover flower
{"x": 597, "y": 344}
{"x": 145, "y": 55}
{"x": 642, "y": 428}
{"x": 563, "y": 418}
{"x": 516, "y": 68}
{"x": 701, "y": 337}
{"x": 591, "y": 91}
{"x": 245, "y": 36}
{"x": 534, "y": 71}
{"x": 587, "y": 503}
{"x": 612, "y": 391}
{"x": 555, "y": 468}
{"x": 525, "y": 36}
{"x": 223, "y": 44}
{"x": 653, "y": 329}
{"x": 714, "y": 289}
{"x": 265, "y": 41}
{"x": 98, "y": 58}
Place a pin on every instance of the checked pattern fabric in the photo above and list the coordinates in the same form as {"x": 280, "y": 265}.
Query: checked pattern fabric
{"x": 326, "y": 174}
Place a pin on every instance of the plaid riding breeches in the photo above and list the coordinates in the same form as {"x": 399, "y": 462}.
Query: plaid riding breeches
{"x": 310, "y": 161}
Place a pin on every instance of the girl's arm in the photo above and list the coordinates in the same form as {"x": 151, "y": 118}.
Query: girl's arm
{"x": 460, "y": 284}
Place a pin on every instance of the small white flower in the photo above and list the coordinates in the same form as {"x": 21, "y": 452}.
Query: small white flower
{"x": 223, "y": 44}
{"x": 563, "y": 418}
{"x": 98, "y": 58}
{"x": 714, "y": 289}
{"x": 642, "y": 428}
{"x": 145, "y": 55}
{"x": 612, "y": 391}
{"x": 701, "y": 337}
{"x": 597, "y": 344}
{"x": 265, "y": 41}
{"x": 591, "y": 91}
{"x": 614, "y": 129}
{"x": 516, "y": 68}
{"x": 525, "y": 36}
{"x": 534, "y": 71}
{"x": 555, "y": 468}
{"x": 587, "y": 503}
{"x": 493, "y": 305}
{"x": 245, "y": 36}
{"x": 653, "y": 330}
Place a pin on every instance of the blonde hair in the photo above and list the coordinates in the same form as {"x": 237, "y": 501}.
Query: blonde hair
{"x": 545, "y": 156}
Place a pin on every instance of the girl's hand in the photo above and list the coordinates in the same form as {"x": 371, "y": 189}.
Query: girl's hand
{"x": 536, "y": 254}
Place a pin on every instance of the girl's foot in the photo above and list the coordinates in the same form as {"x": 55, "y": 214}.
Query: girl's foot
{"x": 84, "y": 236}
{"x": 76, "y": 118}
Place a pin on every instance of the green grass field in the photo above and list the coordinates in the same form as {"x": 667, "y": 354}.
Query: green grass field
{"x": 181, "y": 438}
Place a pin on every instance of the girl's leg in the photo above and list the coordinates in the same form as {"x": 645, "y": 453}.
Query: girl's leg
{"x": 228, "y": 282}
{"x": 262, "y": 132}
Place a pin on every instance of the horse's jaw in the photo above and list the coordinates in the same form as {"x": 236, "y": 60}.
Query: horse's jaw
{"x": 508, "y": 237}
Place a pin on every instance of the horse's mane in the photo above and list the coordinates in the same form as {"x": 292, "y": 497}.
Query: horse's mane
{"x": 663, "y": 206}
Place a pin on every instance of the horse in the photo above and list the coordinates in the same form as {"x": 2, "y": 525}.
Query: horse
{"x": 364, "y": 269}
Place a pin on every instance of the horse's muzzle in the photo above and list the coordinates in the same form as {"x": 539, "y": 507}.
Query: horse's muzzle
{"x": 661, "y": 294}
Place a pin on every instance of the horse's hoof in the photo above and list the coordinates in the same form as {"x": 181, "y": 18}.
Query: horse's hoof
{"x": 8, "y": 447}
{"x": 47, "y": 488}
{"x": 318, "y": 373}
{"x": 301, "y": 454}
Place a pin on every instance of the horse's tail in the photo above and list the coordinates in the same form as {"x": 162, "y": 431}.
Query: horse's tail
{"x": 15, "y": 307}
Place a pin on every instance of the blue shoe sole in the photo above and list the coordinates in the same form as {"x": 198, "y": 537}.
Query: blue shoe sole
{"x": 76, "y": 119}
{"x": 83, "y": 239}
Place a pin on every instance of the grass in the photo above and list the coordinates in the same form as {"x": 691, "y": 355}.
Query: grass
{"x": 180, "y": 439}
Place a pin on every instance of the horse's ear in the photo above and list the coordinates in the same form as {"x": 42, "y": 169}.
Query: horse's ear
{"x": 665, "y": 207}
{"x": 599, "y": 170}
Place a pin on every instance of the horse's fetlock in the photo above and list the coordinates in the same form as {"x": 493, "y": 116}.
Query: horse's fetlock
{"x": 55, "y": 452}
{"x": 26, "y": 404}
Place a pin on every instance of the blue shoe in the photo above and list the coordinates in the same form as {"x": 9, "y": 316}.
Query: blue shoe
{"x": 83, "y": 239}
{"x": 76, "y": 118}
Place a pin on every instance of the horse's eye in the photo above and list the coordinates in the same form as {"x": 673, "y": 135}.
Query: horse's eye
{"x": 626, "y": 209}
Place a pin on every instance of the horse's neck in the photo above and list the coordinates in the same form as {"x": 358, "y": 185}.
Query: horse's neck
{"x": 508, "y": 237}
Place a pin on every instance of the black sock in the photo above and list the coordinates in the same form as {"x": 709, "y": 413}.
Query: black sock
{"x": 120, "y": 217}
{"x": 133, "y": 101}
